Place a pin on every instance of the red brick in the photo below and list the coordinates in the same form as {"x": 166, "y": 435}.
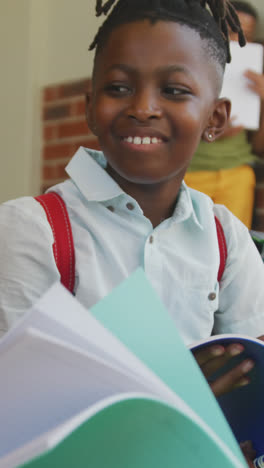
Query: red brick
{"x": 71, "y": 129}
{"x": 78, "y": 108}
{"x": 76, "y": 88}
{"x": 50, "y": 132}
{"x": 51, "y": 93}
{"x": 54, "y": 172}
{"x": 58, "y": 151}
{"x": 88, "y": 143}
{"x": 56, "y": 112}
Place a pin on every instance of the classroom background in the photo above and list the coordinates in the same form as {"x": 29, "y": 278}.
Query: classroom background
{"x": 45, "y": 71}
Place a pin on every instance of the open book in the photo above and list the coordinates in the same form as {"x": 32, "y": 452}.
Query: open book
{"x": 243, "y": 407}
{"x": 114, "y": 386}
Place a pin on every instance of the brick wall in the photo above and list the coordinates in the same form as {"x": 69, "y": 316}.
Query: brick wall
{"x": 65, "y": 129}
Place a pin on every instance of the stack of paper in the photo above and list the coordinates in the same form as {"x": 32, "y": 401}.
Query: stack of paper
{"x": 112, "y": 387}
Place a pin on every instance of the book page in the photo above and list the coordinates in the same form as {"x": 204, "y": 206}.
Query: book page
{"x": 131, "y": 432}
{"x": 51, "y": 438}
{"x": 44, "y": 382}
{"x": 245, "y": 103}
{"x": 60, "y": 315}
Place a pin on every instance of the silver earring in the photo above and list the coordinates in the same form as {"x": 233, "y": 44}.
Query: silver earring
{"x": 210, "y": 136}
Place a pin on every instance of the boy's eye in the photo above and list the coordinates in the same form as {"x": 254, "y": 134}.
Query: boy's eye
{"x": 118, "y": 89}
{"x": 175, "y": 91}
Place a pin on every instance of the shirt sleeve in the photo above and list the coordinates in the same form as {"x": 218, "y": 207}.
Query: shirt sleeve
{"x": 241, "y": 297}
{"x": 28, "y": 267}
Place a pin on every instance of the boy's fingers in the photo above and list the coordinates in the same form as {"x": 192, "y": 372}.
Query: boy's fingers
{"x": 211, "y": 352}
{"x": 214, "y": 357}
{"x": 235, "y": 378}
{"x": 248, "y": 451}
{"x": 214, "y": 364}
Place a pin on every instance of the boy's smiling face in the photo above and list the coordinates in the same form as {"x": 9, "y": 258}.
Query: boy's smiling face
{"x": 154, "y": 97}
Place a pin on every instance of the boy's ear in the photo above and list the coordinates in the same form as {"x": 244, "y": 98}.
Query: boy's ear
{"x": 89, "y": 112}
{"x": 218, "y": 121}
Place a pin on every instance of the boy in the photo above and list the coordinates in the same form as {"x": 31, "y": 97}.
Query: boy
{"x": 157, "y": 77}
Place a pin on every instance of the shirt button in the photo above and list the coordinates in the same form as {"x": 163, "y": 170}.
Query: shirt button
{"x": 212, "y": 296}
{"x": 151, "y": 239}
{"x": 111, "y": 208}
{"x": 130, "y": 206}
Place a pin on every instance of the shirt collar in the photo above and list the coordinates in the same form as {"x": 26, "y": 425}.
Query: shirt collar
{"x": 186, "y": 207}
{"x": 87, "y": 171}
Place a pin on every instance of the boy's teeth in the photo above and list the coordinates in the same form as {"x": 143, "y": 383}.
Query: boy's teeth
{"x": 137, "y": 141}
{"x": 142, "y": 141}
{"x": 146, "y": 141}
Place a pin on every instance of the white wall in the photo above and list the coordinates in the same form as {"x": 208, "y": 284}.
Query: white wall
{"x": 15, "y": 98}
{"x": 41, "y": 42}
{"x": 68, "y": 29}
{"x": 259, "y": 5}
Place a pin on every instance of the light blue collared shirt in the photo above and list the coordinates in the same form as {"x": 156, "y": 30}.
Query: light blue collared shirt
{"x": 112, "y": 238}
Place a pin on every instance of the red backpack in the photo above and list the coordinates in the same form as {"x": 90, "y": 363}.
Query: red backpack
{"x": 63, "y": 246}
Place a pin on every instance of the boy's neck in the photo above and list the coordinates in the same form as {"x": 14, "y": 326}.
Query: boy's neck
{"x": 156, "y": 209}
{"x": 157, "y": 201}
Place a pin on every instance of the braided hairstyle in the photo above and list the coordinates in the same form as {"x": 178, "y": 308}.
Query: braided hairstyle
{"x": 210, "y": 18}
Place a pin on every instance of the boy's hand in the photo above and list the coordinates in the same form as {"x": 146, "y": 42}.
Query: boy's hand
{"x": 249, "y": 452}
{"x": 214, "y": 357}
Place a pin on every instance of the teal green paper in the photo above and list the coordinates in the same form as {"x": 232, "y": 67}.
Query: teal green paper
{"x": 136, "y": 433}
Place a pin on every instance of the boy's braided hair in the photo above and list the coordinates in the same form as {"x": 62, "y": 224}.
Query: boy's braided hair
{"x": 211, "y": 18}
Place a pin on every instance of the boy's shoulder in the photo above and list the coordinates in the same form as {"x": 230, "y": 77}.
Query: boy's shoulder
{"x": 236, "y": 233}
{"x": 204, "y": 206}
{"x": 22, "y": 206}
{"x": 27, "y": 207}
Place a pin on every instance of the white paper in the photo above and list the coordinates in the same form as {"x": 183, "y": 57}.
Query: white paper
{"x": 52, "y": 382}
{"x": 60, "y": 315}
{"x": 245, "y": 103}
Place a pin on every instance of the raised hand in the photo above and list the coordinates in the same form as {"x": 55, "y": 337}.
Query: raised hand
{"x": 255, "y": 82}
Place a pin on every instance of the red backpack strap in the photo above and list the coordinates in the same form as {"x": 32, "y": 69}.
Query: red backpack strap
{"x": 222, "y": 248}
{"x": 63, "y": 247}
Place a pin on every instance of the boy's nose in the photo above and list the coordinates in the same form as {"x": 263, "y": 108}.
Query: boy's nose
{"x": 144, "y": 106}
